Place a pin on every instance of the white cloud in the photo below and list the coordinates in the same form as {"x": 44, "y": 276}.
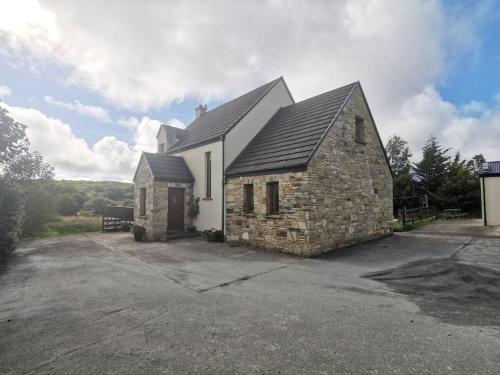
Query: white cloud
{"x": 4, "y": 92}
{"x": 145, "y": 131}
{"x": 73, "y": 158}
{"x": 214, "y": 49}
{"x": 471, "y": 129}
{"x": 400, "y": 51}
{"x": 96, "y": 112}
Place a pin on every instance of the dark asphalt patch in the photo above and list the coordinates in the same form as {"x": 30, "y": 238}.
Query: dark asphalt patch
{"x": 454, "y": 292}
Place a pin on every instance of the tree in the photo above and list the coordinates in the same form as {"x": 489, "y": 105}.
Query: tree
{"x": 66, "y": 204}
{"x": 24, "y": 177}
{"x": 460, "y": 188}
{"x": 13, "y": 139}
{"x": 10, "y": 217}
{"x": 399, "y": 156}
{"x": 430, "y": 172}
{"x": 96, "y": 205}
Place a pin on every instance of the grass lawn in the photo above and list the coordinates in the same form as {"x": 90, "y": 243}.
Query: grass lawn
{"x": 397, "y": 225}
{"x": 71, "y": 225}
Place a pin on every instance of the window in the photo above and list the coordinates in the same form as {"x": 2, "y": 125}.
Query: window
{"x": 273, "y": 202}
{"x": 142, "y": 202}
{"x": 208, "y": 175}
{"x": 248, "y": 198}
{"x": 360, "y": 130}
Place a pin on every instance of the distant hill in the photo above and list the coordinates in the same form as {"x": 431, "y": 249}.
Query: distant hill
{"x": 90, "y": 197}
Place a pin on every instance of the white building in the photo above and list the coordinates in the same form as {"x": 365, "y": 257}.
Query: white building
{"x": 490, "y": 192}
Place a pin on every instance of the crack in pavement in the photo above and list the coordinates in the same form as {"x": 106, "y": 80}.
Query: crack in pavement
{"x": 163, "y": 275}
{"x": 137, "y": 260}
{"x": 93, "y": 343}
{"x": 240, "y": 279}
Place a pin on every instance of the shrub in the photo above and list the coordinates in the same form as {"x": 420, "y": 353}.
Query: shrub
{"x": 10, "y": 217}
{"x": 213, "y": 235}
{"x": 139, "y": 232}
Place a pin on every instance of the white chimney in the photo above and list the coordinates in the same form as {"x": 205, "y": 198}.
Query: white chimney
{"x": 200, "y": 110}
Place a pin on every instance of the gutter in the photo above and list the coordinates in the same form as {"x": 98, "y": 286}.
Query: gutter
{"x": 223, "y": 137}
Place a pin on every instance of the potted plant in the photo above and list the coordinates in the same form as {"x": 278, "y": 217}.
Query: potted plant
{"x": 139, "y": 232}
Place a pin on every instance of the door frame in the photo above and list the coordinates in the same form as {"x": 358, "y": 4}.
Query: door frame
{"x": 180, "y": 217}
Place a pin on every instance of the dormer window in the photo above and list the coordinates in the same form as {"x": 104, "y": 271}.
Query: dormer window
{"x": 360, "y": 130}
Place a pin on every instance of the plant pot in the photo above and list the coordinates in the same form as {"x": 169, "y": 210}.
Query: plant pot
{"x": 139, "y": 236}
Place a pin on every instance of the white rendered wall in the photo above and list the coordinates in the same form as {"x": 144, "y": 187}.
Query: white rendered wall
{"x": 162, "y": 138}
{"x": 210, "y": 209}
{"x": 492, "y": 193}
{"x": 249, "y": 126}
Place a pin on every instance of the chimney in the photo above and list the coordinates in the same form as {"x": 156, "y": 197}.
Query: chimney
{"x": 200, "y": 110}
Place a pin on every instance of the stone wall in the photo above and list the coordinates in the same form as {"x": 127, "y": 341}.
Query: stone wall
{"x": 285, "y": 232}
{"x": 156, "y": 219}
{"x": 351, "y": 184}
{"x": 344, "y": 196}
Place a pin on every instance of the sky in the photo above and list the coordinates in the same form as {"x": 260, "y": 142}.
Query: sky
{"x": 93, "y": 80}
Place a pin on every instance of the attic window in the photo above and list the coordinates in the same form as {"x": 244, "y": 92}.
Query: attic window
{"x": 360, "y": 130}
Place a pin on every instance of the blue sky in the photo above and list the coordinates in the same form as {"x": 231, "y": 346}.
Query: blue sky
{"x": 94, "y": 88}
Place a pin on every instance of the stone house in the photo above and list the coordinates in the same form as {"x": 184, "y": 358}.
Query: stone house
{"x": 301, "y": 178}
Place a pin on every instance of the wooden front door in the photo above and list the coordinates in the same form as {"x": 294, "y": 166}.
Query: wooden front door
{"x": 175, "y": 209}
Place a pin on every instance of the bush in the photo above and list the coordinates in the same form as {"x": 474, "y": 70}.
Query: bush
{"x": 67, "y": 205}
{"x": 10, "y": 217}
{"x": 139, "y": 232}
{"x": 213, "y": 235}
{"x": 39, "y": 206}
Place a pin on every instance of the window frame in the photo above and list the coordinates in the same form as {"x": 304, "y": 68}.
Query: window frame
{"x": 273, "y": 198}
{"x": 248, "y": 198}
{"x": 360, "y": 130}
{"x": 142, "y": 201}
{"x": 208, "y": 175}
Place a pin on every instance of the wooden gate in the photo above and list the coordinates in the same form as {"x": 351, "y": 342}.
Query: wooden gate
{"x": 117, "y": 218}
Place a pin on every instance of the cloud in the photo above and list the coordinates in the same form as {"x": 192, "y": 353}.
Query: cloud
{"x": 400, "y": 51}
{"x": 96, "y": 112}
{"x": 74, "y": 158}
{"x": 4, "y": 92}
{"x": 145, "y": 130}
{"x": 472, "y": 128}
{"x": 213, "y": 50}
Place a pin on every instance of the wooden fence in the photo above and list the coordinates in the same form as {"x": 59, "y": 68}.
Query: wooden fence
{"x": 116, "y": 218}
{"x": 407, "y": 215}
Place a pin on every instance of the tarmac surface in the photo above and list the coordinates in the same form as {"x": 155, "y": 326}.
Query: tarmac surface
{"x": 419, "y": 303}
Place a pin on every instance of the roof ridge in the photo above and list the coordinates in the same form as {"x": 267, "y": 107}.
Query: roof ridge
{"x": 323, "y": 93}
{"x": 299, "y": 115}
{"x": 210, "y": 122}
{"x": 239, "y": 96}
{"x": 348, "y": 96}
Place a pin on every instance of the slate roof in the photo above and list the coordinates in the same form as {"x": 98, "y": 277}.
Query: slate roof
{"x": 493, "y": 168}
{"x": 292, "y": 135}
{"x": 168, "y": 168}
{"x": 218, "y": 121}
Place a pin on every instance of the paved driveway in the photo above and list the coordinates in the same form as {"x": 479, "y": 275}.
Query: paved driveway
{"x": 105, "y": 304}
